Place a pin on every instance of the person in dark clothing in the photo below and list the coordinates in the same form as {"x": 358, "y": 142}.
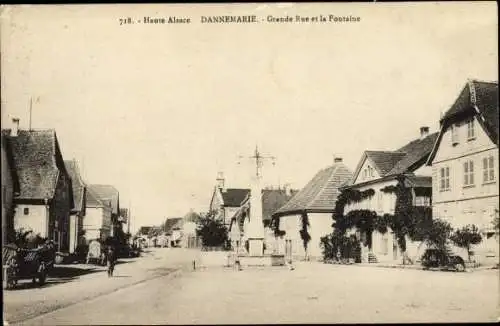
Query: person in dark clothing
{"x": 111, "y": 260}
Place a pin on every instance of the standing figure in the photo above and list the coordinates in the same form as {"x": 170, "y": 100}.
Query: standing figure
{"x": 111, "y": 260}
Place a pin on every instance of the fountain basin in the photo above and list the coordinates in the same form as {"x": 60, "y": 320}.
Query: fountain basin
{"x": 264, "y": 260}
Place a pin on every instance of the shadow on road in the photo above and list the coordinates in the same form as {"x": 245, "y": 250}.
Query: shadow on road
{"x": 58, "y": 275}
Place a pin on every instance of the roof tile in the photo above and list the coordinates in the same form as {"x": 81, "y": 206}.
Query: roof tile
{"x": 33, "y": 155}
{"x": 320, "y": 194}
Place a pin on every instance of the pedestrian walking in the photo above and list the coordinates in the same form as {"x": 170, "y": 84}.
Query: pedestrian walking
{"x": 111, "y": 260}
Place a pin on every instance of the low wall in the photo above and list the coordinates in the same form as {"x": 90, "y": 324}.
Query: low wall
{"x": 214, "y": 258}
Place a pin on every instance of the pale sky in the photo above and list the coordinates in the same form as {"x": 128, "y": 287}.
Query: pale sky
{"x": 158, "y": 110}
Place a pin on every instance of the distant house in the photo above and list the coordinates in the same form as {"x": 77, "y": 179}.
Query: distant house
{"x": 10, "y": 188}
{"x": 78, "y": 212}
{"x": 173, "y": 230}
{"x": 97, "y": 223}
{"x": 377, "y": 170}
{"x": 465, "y": 165}
{"x": 272, "y": 200}
{"x": 123, "y": 217}
{"x": 111, "y": 194}
{"x": 45, "y": 197}
{"x": 189, "y": 224}
{"x": 316, "y": 201}
{"x": 226, "y": 202}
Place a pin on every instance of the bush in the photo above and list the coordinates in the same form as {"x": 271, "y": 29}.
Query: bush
{"x": 212, "y": 232}
{"x": 337, "y": 246}
{"x": 438, "y": 234}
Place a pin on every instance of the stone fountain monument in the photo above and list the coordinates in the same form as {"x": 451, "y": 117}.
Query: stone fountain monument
{"x": 254, "y": 231}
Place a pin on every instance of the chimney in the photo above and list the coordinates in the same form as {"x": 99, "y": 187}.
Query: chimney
{"x": 288, "y": 190}
{"x": 337, "y": 159}
{"x": 15, "y": 128}
{"x": 424, "y": 132}
{"x": 220, "y": 181}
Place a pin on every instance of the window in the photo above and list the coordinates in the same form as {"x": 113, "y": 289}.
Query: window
{"x": 468, "y": 173}
{"x": 488, "y": 169}
{"x": 422, "y": 201}
{"x": 444, "y": 179}
{"x": 470, "y": 129}
{"x": 454, "y": 135}
{"x": 26, "y": 211}
{"x": 380, "y": 201}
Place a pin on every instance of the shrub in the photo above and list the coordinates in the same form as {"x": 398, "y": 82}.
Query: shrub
{"x": 212, "y": 232}
{"x": 437, "y": 234}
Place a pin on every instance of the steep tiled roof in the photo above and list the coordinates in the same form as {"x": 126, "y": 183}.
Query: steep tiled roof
{"x": 416, "y": 151}
{"x": 107, "y": 192}
{"x": 487, "y": 102}
{"x": 92, "y": 199}
{"x": 77, "y": 183}
{"x": 274, "y": 199}
{"x": 485, "y": 96}
{"x": 478, "y": 98}
{"x": 384, "y": 160}
{"x": 172, "y": 223}
{"x": 404, "y": 160}
{"x": 320, "y": 194}
{"x": 233, "y": 197}
{"x": 34, "y": 155}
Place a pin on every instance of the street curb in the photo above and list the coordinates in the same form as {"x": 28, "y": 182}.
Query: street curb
{"x": 173, "y": 274}
{"x": 475, "y": 269}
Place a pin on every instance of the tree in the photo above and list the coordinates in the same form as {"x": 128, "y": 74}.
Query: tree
{"x": 213, "y": 233}
{"x": 438, "y": 234}
{"x": 466, "y": 237}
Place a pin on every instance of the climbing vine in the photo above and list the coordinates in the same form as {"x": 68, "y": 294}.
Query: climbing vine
{"x": 346, "y": 197}
{"x": 275, "y": 226}
{"x": 407, "y": 220}
{"x": 304, "y": 233}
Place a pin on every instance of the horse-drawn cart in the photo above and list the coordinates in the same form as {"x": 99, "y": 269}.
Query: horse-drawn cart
{"x": 21, "y": 263}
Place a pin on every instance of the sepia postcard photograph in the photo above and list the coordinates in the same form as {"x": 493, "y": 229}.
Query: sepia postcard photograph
{"x": 238, "y": 163}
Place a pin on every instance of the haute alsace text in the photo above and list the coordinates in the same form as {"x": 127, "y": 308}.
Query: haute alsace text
{"x": 241, "y": 19}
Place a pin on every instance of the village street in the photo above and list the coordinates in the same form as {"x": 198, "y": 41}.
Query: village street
{"x": 79, "y": 283}
{"x": 312, "y": 293}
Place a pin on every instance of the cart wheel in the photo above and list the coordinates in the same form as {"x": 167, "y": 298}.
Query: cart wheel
{"x": 459, "y": 267}
{"x": 41, "y": 278}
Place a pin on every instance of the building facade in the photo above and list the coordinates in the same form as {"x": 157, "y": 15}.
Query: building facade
{"x": 315, "y": 202}
{"x": 10, "y": 187}
{"x": 465, "y": 167}
{"x": 45, "y": 198}
{"x": 380, "y": 170}
{"x": 226, "y": 202}
{"x": 78, "y": 212}
{"x": 97, "y": 223}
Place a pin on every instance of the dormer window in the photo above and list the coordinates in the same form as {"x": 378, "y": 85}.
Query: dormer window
{"x": 470, "y": 129}
{"x": 454, "y": 135}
